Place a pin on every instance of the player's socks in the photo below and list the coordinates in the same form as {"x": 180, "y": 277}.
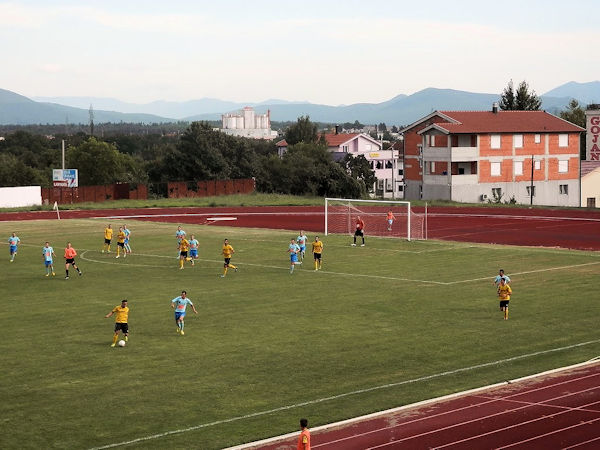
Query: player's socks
{"x": 67, "y": 273}
{"x": 182, "y": 325}
{"x": 316, "y": 266}
{"x": 181, "y": 263}
{"x": 225, "y": 271}
{"x": 115, "y": 337}
{"x": 291, "y": 268}
{"x": 126, "y": 338}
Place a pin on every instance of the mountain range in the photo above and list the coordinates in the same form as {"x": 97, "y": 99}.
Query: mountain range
{"x": 400, "y": 110}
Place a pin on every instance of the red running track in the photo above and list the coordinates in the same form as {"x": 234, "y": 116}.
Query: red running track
{"x": 576, "y": 229}
{"x": 559, "y": 410}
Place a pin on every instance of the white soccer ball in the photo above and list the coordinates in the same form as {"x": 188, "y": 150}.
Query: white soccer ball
{"x": 121, "y": 343}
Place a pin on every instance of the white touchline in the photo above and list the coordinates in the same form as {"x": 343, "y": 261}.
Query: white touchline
{"x": 345, "y": 394}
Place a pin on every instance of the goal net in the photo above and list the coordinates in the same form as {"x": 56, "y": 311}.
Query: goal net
{"x": 341, "y": 215}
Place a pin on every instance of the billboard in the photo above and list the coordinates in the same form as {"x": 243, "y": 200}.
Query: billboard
{"x": 593, "y": 136}
{"x": 65, "y": 178}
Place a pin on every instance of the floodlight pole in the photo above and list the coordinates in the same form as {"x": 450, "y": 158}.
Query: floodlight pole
{"x": 63, "y": 154}
{"x": 531, "y": 184}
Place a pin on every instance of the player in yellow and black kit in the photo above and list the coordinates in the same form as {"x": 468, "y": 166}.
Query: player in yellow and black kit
{"x": 504, "y": 292}
{"x": 184, "y": 247}
{"x": 228, "y": 252}
{"x": 121, "y": 243}
{"x": 122, "y": 313}
{"x": 317, "y": 248}
{"x": 108, "y": 232}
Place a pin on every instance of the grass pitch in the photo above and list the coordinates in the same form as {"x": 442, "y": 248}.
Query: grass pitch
{"x": 380, "y": 326}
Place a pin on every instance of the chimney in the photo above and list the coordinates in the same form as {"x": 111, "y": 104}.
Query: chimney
{"x": 337, "y": 129}
{"x": 495, "y": 107}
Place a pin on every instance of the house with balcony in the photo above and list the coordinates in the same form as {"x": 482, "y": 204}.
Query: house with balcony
{"x": 387, "y": 164}
{"x": 475, "y": 156}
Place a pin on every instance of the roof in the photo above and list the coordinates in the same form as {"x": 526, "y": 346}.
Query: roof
{"x": 335, "y": 140}
{"x": 281, "y": 143}
{"x": 505, "y": 122}
{"x": 589, "y": 166}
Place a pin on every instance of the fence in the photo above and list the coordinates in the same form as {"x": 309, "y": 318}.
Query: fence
{"x": 119, "y": 191}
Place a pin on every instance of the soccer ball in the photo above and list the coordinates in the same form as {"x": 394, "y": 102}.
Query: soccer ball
{"x": 121, "y": 343}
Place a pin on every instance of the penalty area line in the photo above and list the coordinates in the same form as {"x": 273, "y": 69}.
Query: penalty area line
{"x": 342, "y": 395}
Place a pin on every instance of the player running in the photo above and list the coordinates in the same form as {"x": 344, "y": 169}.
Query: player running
{"x": 193, "y": 249}
{"x": 180, "y": 303}
{"x": 360, "y": 227}
{"x": 504, "y": 292}
{"x": 390, "y": 219}
{"x": 301, "y": 241}
{"x": 13, "y": 242}
{"x": 108, "y": 232}
{"x": 70, "y": 255}
{"x": 317, "y": 248}
{"x": 179, "y": 234}
{"x": 501, "y": 276}
{"x": 48, "y": 254}
{"x": 121, "y": 319}
{"x": 127, "y": 238}
{"x": 228, "y": 252}
{"x": 293, "y": 250}
{"x": 121, "y": 243}
{"x": 184, "y": 246}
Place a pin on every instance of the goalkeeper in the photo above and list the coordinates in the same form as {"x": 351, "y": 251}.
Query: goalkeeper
{"x": 360, "y": 231}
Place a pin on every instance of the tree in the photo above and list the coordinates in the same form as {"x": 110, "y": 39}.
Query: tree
{"x": 302, "y": 131}
{"x": 360, "y": 169}
{"x": 574, "y": 113}
{"x": 394, "y": 129}
{"x": 521, "y": 100}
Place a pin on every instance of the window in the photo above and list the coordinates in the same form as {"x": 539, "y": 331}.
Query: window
{"x": 537, "y": 165}
{"x": 531, "y": 189}
{"x": 518, "y": 167}
{"x": 495, "y": 141}
{"x": 537, "y": 138}
{"x": 563, "y": 140}
{"x": 495, "y": 169}
{"x": 432, "y": 167}
{"x": 518, "y": 140}
{"x": 379, "y": 165}
{"x": 380, "y": 185}
{"x": 400, "y": 171}
{"x": 563, "y": 189}
{"x": 388, "y": 185}
{"x": 431, "y": 140}
{"x": 389, "y": 164}
{"x": 563, "y": 166}
{"x": 497, "y": 192}
{"x": 345, "y": 148}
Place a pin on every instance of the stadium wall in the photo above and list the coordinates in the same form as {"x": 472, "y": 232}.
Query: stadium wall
{"x": 14, "y": 197}
{"x": 96, "y": 194}
{"x": 184, "y": 189}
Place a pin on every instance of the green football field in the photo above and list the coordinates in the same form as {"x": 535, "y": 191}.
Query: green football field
{"x": 380, "y": 326}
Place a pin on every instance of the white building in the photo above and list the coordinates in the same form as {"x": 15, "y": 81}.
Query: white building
{"x": 247, "y": 123}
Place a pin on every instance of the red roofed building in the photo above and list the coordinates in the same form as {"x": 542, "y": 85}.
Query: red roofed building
{"x": 473, "y": 156}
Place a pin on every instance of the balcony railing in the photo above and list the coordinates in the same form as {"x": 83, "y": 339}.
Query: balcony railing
{"x": 455, "y": 180}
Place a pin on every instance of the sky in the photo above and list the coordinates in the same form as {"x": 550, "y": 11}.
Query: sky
{"x": 329, "y": 52}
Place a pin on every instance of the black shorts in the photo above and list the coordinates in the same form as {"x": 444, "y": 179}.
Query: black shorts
{"x": 183, "y": 254}
{"x": 358, "y": 232}
{"x": 504, "y": 303}
{"x": 121, "y": 326}
{"x": 227, "y": 260}
{"x": 70, "y": 261}
{"x": 317, "y": 256}
{"x": 121, "y": 244}
{"x": 107, "y": 241}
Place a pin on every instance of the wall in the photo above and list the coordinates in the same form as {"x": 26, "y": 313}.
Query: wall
{"x": 93, "y": 193}
{"x": 13, "y": 197}
{"x": 590, "y": 187}
{"x": 183, "y": 189}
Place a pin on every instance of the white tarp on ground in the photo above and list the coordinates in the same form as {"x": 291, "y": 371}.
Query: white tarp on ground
{"x": 11, "y": 197}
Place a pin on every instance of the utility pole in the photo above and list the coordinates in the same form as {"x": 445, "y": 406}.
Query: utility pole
{"x": 91, "y": 120}
{"x": 531, "y": 184}
{"x": 63, "y": 154}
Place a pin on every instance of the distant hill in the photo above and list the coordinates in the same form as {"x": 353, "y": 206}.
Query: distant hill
{"x": 586, "y": 93}
{"x": 400, "y": 110}
{"x": 16, "y": 109}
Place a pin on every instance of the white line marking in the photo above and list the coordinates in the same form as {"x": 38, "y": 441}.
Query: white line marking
{"x": 345, "y": 394}
{"x": 583, "y": 443}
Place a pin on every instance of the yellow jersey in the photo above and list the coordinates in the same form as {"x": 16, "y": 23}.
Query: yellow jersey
{"x": 122, "y": 314}
{"x": 108, "y": 232}
{"x": 227, "y": 251}
{"x": 317, "y": 247}
{"x": 504, "y": 292}
{"x": 121, "y": 237}
{"x": 184, "y": 245}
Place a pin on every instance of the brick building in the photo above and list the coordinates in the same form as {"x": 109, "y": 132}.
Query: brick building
{"x": 473, "y": 156}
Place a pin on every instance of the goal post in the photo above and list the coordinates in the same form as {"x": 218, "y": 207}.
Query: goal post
{"x": 382, "y": 218}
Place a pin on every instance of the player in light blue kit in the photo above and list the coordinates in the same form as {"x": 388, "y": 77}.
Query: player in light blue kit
{"x": 126, "y": 246}
{"x": 13, "y": 241}
{"x": 293, "y": 250}
{"x": 193, "y": 254}
{"x": 501, "y": 276}
{"x": 49, "y": 255}
{"x": 180, "y": 303}
{"x": 301, "y": 241}
{"x": 179, "y": 234}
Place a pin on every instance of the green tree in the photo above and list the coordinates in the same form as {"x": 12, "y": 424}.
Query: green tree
{"x": 520, "y": 100}
{"x": 302, "y": 131}
{"x": 574, "y": 113}
{"x": 360, "y": 169}
{"x": 14, "y": 172}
